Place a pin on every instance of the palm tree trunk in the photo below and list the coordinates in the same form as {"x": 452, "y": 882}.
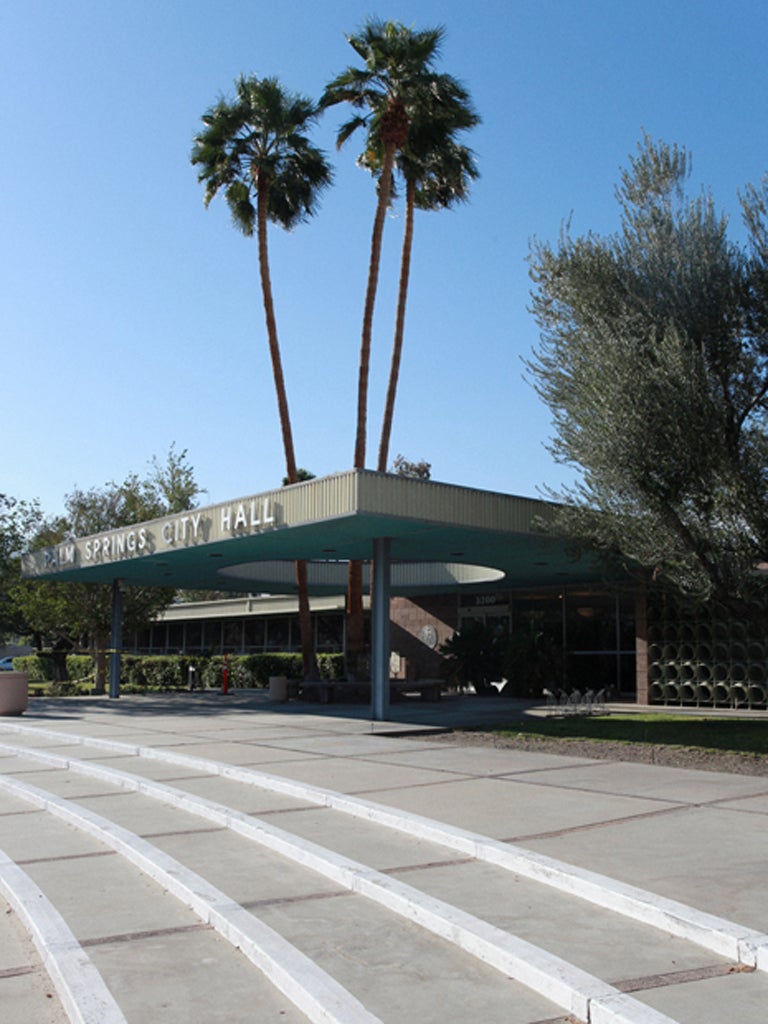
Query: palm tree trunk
{"x": 397, "y": 344}
{"x": 310, "y": 669}
{"x": 309, "y": 662}
{"x": 385, "y": 184}
{"x": 274, "y": 346}
{"x": 355, "y": 577}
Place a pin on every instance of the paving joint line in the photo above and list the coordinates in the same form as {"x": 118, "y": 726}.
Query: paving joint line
{"x": 153, "y": 933}
{"x": 64, "y": 856}
{"x": 460, "y": 777}
{"x": 652, "y": 981}
{"x": 608, "y": 792}
{"x": 731, "y": 799}
{"x": 454, "y": 862}
{"x": 289, "y": 901}
{"x": 169, "y": 834}
{"x": 288, "y": 810}
{"x": 590, "y": 825}
{"x": 18, "y": 972}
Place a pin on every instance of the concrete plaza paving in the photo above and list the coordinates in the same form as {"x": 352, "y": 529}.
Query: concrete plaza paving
{"x": 700, "y": 838}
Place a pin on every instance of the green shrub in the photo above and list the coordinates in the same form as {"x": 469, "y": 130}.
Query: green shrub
{"x": 80, "y": 667}
{"x": 331, "y": 666}
{"x": 64, "y": 689}
{"x": 154, "y": 672}
{"x": 39, "y": 669}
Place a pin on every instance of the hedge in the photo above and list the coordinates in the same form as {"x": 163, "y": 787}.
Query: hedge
{"x": 167, "y": 672}
{"x": 39, "y": 667}
{"x": 141, "y": 673}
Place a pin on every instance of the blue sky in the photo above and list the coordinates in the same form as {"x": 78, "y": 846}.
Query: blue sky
{"x": 131, "y": 317}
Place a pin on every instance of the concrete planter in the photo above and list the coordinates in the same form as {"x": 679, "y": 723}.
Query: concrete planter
{"x": 278, "y": 688}
{"x": 14, "y": 693}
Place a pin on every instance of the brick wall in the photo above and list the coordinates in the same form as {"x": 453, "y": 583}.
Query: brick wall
{"x": 419, "y": 627}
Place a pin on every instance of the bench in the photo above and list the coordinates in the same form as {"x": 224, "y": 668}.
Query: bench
{"x": 427, "y": 689}
{"x": 329, "y": 691}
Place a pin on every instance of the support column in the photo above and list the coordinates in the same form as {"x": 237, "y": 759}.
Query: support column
{"x": 641, "y": 646}
{"x": 117, "y": 639}
{"x": 380, "y": 643}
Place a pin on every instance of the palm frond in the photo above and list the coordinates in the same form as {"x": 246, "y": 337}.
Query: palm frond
{"x": 261, "y": 135}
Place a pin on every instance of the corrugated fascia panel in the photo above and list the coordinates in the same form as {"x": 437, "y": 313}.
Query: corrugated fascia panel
{"x": 318, "y": 500}
{"x": 428, "y": 500}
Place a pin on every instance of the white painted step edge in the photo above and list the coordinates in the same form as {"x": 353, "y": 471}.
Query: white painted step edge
{"x": 81, "y": 989}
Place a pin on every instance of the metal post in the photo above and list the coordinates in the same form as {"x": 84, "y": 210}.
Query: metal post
{"x": 380, "y": 630}
{"x": 117, "y": 639}
{"x": 564, "y": 638}
{"x": 617, "y": 606}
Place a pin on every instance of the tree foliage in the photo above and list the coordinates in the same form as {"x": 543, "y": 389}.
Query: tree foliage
{"x": 18, "y": 522}
{"x": 257, "y": 143}
{"x": 64, "y": 616}
{"x": 421, "y": 470}
{"x": 654, "y": 362}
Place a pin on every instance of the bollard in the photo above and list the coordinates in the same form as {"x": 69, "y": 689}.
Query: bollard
{"x": 225, "y": 676}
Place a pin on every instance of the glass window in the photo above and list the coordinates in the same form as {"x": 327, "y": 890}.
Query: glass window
{"x": 540, "y": 615}
{"x": 330, "y": 632}
{"x": 157, "y": 643}
{"x": 212, "y": 636}
{"x": 193, "y": 636}
{"x": 233, "y": 635}
{"x": 175, "y": 637}
{"x": 278, "y": 633}
{"x": 144, "y": 640}
{"x": 253, "y": 635}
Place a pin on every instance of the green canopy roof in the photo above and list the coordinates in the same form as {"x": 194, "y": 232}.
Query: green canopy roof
{"x": 442, "y": 537}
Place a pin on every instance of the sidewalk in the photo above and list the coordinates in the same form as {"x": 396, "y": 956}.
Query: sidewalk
{"x": 696, "y": 837}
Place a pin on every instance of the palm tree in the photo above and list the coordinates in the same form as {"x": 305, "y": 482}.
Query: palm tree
{"x": 396, "y": 76}
{"x": 254, "y": 149}
{"x": 437, "y": 171}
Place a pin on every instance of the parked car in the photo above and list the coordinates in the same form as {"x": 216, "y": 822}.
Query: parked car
{"x": 6, "y": 664}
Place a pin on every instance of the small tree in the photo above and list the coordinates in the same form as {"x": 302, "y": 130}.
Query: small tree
{"x": 63, "y": 616}
{"x": 654, "y": 362}
{"x": 19, "y": 520}
{"x": 473, "y": 655}
{"x": 415, "y": 470}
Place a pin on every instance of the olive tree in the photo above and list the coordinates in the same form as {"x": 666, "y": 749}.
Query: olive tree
{"x": 653, "y": 360}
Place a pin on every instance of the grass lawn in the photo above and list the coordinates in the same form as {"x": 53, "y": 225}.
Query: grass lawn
{"x": 657, "y": 729}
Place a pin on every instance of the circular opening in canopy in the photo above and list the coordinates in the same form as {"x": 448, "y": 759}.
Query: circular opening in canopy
{"x": 333, "y": 575}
